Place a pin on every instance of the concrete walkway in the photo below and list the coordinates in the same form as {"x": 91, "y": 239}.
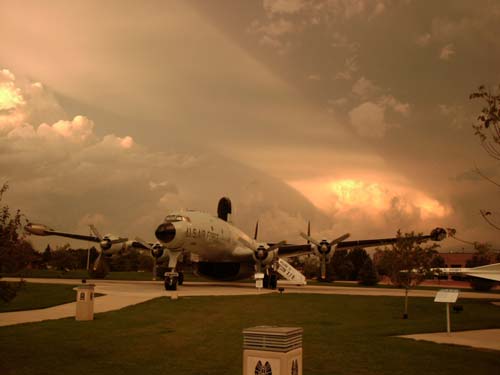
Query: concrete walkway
{"x": 484, "y": 339}
{"x": 102, "y": 304}
{"x": 117, "y": 295}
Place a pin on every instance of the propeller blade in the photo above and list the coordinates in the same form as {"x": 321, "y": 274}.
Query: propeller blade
{"x": 308, "y": 230}
{"x": 95, "y": 232}
{"x": 323, "y": 267}
{"x": 98, "y": 261}
{"x": 276, "y": 246}
{"x": 256, "y": 230}
{"x": 310, "y": 239}
{"x": 340, "y": 239}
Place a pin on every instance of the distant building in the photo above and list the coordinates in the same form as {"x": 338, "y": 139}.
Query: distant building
{"x": 455, "y": 259}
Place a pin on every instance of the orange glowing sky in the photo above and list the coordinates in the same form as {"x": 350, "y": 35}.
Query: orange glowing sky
{"x": 354, "y": 116}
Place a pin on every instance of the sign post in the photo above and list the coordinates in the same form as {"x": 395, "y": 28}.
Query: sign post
{"x": 447, "y": 296}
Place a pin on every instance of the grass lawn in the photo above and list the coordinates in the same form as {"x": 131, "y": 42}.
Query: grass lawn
{"x": 37, "y": 296}
{"x": 203, "y": 335}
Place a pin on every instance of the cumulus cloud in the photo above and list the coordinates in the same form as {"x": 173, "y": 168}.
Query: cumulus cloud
{"x": 368, "y": 119}
{"x": 342, "y": 41}
{"x": 10, "y": 96}
{"x": 456, "y": 114}
{"x": 65, "y": 175}
{"x": 447, "y": 52}
{"x": 423, "y": 40}
{"x": 287, "y": 17}
{"x": 397, "y": 106}
{"x": 365, "y": 88}
{"x": 351, "y": 66}
{"x": 375, "y": 204}
{"x": 283, "y": 6}
{"x": 77, "y": 130}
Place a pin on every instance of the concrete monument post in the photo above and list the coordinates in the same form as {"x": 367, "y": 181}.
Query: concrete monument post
{"x": 272, "y": 350}
{"x": 85, "y": 302}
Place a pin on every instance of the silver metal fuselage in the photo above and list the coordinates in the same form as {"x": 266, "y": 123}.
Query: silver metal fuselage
{"x": 209, "y": 238}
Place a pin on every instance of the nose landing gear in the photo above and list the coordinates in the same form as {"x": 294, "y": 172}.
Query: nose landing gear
{"x": 172, "y": 279}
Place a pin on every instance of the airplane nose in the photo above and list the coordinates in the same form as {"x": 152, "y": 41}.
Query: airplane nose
{"x": 165, "y": 232}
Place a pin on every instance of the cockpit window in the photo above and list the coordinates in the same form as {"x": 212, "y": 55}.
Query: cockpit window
{"x": 174, "y": 218}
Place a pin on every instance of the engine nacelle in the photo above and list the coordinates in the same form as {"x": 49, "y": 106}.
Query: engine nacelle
{"x": 113, "y": 249}
{"x": 263, "y": 256}
{"x": 38, "y": 229}
{"x": 438, "y": 234}
{"x": 157, "y": 251}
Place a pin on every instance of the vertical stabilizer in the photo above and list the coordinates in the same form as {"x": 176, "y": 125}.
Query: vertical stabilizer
{"x": 224, "y": 209}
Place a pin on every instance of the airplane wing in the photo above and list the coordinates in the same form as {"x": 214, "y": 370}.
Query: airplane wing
{"x": 43, "y": 230}
{"x": 140, "y": 245}
{"x": 290, "y": 250}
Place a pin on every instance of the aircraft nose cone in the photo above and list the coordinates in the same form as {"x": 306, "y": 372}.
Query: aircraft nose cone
{"x": 165, "y": 232}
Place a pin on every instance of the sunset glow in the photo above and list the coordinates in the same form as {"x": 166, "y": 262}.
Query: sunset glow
{"x": 9, "y": 98}
{"x": 343, "y": 195}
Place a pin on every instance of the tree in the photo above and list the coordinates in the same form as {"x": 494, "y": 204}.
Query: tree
{"x": 15, "y": 252}
{"x": 487, "y": 129}
{"x": 408, "y": 262}
{"x": 358, "y": 257}
{"x": 341, "y": 266}
{"x": 368, "y": 273}
{"x": 488, "y": 126}
{"x": 47, "y": 255}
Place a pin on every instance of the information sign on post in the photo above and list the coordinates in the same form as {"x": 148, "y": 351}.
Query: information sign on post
{"x": 447, "y": 296}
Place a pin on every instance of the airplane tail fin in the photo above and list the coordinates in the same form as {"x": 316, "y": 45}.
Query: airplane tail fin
{"x": 224, "y": 209}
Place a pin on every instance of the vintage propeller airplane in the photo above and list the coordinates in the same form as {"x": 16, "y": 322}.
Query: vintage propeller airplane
{"x": 221, "y": 251}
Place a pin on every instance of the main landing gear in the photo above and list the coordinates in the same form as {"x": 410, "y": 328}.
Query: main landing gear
{"x": 172, "y": 279}
{"x": 270, "y": 281}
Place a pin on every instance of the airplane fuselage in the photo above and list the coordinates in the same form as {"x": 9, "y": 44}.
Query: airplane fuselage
{"x": 217, "y": 247}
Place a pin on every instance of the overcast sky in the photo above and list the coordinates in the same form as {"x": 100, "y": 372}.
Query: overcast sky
{"x": 353, "y": 114}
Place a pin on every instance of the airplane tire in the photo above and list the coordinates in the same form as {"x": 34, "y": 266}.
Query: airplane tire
{"x": 273, "y": 281}
{"x": 265, "y": 282}
{"x": 170, "y": 283}
{"x": 180, "y": 280}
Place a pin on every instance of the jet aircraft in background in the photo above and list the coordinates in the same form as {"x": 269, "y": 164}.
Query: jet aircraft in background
{"x": 489, "y": 272}
{"x": 221, "y": 251}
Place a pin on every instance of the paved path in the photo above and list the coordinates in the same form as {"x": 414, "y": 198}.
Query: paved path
{"x": 485, "y": 339}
